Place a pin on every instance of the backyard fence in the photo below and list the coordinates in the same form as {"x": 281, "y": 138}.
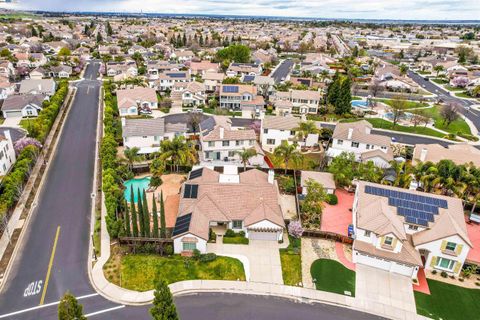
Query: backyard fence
{"x": 327, "y": 235}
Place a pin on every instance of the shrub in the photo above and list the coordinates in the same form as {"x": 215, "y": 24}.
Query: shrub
{"x": 208, "y": 257}
{"x": 477, "y": 284}
{"x": 168, "y": 250}
{"x": 434, "y": 271}
{"x": 461, "y": 279}
{"x": 212, "y": 236}
{"x": 230, "y": 233}
{"x": 332, "y": 199}
{"x": 196, "y": 254}
{"x": 295, "y": 229}
{"x": 444, "y": 274}
{"x": 415, "y": 281}
{"x": 155, "y": 181}
{"x": 241, "y": 233}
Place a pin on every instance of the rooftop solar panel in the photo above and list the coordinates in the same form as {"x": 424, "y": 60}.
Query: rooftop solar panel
{"x": 182, "y": 224}
{"x": 190, "y": 191}
{"x": 196, "y": 173}
{"x": 230, "y": 89}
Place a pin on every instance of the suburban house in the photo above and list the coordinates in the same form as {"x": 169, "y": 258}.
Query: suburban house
{"x": 206, "y": 202}
{"x": 356, "y": 137}
{"x": 126, "y": 69}
{"x": 38, "y": 86}
{"x": 7, "y": 88}
{"x": 303, "y": 101}
{"x": 401, "y": 230}
{"x": 183, "y": 55}
{"x": 324, "y": 178}
{"x": 461, "y": 153}
{"x": 130, "y": 101}
{"x": 147, "y": 134}
{"x": 220, "y": 142}
{"x": 154, "y": 68}
{"x": 232, "y": 95}
{"x": 25, "y": 105}
{"x": 203, "y": 67}
{"x": 167, "y": 80}
{"x": 389, "y": 77}
{"x": 213, "y": 80}
{"x": 242, "y": 69}
{"x": 190, "y": 93}
{"x": 7, "y": 69}
{"x": 7, "y": 153}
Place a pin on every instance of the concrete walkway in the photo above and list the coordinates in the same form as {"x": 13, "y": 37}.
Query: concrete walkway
{"x": 13, "y": 122}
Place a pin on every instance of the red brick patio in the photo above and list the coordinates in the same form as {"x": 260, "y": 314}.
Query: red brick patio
{"x": 473, "y": 230}
{"x": 337, "y": 218}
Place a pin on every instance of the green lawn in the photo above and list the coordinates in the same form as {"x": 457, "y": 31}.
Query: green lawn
{"x": 450, "y": 88}
{"x": 463, "y": 94}
{"x": 141, "y": 271}
{"x": 2, "y": 120}
{"x": 291, "y": 260}
{"x": 409, "y": 104}
{"x": 238, "y": 239}
{"x": 447, "y": 301}
{"x": 439, "y": 81}
{"x": 332, "y": 276}
{"x": 458, "y": 126}
{"x": 26, "y": 123}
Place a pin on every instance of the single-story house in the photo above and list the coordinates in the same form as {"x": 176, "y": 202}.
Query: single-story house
{"x": 26, "y": 105}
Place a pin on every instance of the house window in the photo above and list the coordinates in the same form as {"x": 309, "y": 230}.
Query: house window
{"x": 225, "y": 143}
{"x": 368, "y": 146}
{"x": 237, "y": 224}
{"x": 252, "y": 142}
{"x": 339, "y": 142}
{"x": 355, "y": 144}
{"x": 383, "y": 148}
{"x": 238, "y": 142}
{"x": 292, "y": 133}
{"x": 270, "y": 141}
{"x": 451, "y": 246}
{"x": 388, "y": 241}
{"x": 265, "y": 130}
{"x": 231, "y": 154}
{"x": 156, "y": 138}
{"x": 445, "y": 263}
{"x": 412, "y": 227}
{"x": 211, "y": 143}
{"x": 189, "y": 246}
{"x": 144, "y": 137}
{"x": 367, "y": 233}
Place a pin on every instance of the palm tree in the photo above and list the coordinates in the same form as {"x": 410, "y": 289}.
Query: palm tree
{"x": 305, "y": 128}
{"x": 287, "y": 152}
{"x": 403, "y": 69}
{"x": 245, "y": 155}
{"x": 179, "y": 151}
{"x": 403, "y": 173}
{"x": 132, "y": 156}
{"x": 438, "y": 68}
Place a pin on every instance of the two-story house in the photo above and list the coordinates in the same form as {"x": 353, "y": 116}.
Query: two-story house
{"x": 246, "y": 201}
{"x": 190, "y": 93}
{"x": 221, "y": 143}
{"x": 242, "y": 69}
{"x": 232, "y": 95}
{"x": 357, "y": 138}
{"x": 131, "y": 101}
{"x": 7, "y": 153}
{"x": 167, "y": 80}
{"x": 401, "y": 230}
{"x": 302, "y": 101}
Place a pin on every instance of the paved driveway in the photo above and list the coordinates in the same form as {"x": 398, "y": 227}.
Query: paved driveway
{"x": 13, "y": 122}
{"x": 373, "y": 285}
{"x": 262, "y": 257}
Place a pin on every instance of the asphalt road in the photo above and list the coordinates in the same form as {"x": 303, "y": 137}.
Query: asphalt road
{"x": 282, "y": 71}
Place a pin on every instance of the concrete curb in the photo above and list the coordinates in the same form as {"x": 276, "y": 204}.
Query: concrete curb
{"x": 32, "y": 211}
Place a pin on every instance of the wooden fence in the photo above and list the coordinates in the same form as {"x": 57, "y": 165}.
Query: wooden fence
{"x": 327, "y": 235}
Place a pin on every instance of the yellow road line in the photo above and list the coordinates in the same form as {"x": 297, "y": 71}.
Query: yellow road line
{"x": 42, "y": 299}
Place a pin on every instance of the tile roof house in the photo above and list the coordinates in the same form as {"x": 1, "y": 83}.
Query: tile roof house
{"x": 26, "y": 105}
{"x": 131, "y": 100}
{"x": 231, "y": 95}
{"x": 356, "y": 137}
{"x": 190, "y": 93}
{"x": 324, "y": 178}
{"x": 38, "y": 86}
{"x": 303, "y": 101}
{"x": 401, "y": 230}
{"x": 7, "y": 153}
{"x": 206, "y": 201}
{"x": 459, "y": 153}
{"x": 203, "y": 67}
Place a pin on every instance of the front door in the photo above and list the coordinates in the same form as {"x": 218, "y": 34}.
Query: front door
{"x": 217, "y": 155}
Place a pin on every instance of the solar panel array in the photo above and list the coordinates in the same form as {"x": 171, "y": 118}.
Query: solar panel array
{"x": 415, "y": 208}
{"x": 196, "y": 173}
{"x": 177, "y": 75}
{"x": 182, "y": 224}
{"x": 230, "y": 89}
{"x": 191, "y": 191}
{"x": 248, "y": 78}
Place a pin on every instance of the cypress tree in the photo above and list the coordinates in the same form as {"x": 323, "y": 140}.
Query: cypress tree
{"x": 333, "y": 91}
{"x": 134, "y": 213}
{"x": 163, "y": 306}
{"x": 127, "y": 221}
{"x": 140, "y": 214}
{"x": 155, "y": 217}
{"x": 146, "y": 215}
{"x": 345, "y": 98}
{"x": 163, "y": 233}
{"x": 184, "y": 40}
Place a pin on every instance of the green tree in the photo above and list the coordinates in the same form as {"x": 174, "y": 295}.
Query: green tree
{"x": 438, "y": 68}
{"x": 344, "y": 102}
{"x": 157, "y": 168}
{"x": 34, "y": 32}
{"x": 163, "y": 306}
{"x": 141, "y": 219}
{"x": 132, "y": 156}
{"x": 64, "y": 52}
{"x": 99, "y": 37}
{"x": 109, "y": 29}
{"x": 343, "y": 169}
{"x": 287, "y": 152}
{"x": 305, "y": 128}
{"x": 163, "y": 232}
{"x": 235, "y": 52}
{"x": 333, "y": 90}
{"x": 127, "y": 221}
{"x": 403, "y": 69}
{"x": 397, "y": 108}
{"x": 146, "y": 215}
{"x": 134, "y": 213}
{"x": 154, "y": 217}
{"x": 245, "y": 155}
{"x": 69, "y": 308}
{"x": 313, "y": 204}
{"x": 178, "y": 151}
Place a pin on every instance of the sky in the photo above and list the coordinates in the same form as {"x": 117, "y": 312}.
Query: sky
{"x": 347, "y": 9}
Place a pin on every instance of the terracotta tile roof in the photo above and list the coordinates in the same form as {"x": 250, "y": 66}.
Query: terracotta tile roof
{"x": 325, "y": 178}
{"x": 128, "y": 97}
{"x": 408, "y": 254}
{"x": 361, "y": 133}
{"x": 280, "y": 123}
{"x": 458, "y": 153}
{"x": 387, "y": 156}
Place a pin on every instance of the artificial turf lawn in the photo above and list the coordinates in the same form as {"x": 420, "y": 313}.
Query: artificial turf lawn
{"x": 332, "y": 276}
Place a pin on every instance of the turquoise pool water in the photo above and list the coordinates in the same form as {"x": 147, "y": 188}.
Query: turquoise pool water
{"x": 360, "y": 104}
{"x": 141, "y": 184}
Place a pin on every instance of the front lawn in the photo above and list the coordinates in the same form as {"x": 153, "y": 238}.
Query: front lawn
{"x": 332, "y": 276}
{"x": 439, "y": 81}
{"x": 141, "y": 271}
{"x": 458, "y": 126}
{"x": 408, "y": 104}
{"x": 291, "y": 260}
{"x": 238, "y": 239}
{"x": 447, "y": 301}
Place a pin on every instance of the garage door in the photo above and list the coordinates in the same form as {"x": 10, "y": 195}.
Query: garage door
{"x": 256, "y": 235}
{"x": 374, "y": 262}
{"x": 13, "y": 114}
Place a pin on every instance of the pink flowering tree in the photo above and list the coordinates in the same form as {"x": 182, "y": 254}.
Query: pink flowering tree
{"x": 295, "y": 229}
{"x": 20, "y": 144}
{"x": 256, "y": 125}
{"x": 460, "y": 82}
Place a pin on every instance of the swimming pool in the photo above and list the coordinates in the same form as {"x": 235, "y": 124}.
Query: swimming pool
{"x": 137, "y": 184}
{"x": 359, "y": 104}
{"x": 404, "y": 116}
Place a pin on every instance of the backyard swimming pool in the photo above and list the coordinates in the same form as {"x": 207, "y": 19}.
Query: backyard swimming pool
{"x": 137, "y": 184}
{"x": 359, "y": 104}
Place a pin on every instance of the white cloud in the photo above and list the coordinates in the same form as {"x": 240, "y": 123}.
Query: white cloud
{"x": 354, "y": 9}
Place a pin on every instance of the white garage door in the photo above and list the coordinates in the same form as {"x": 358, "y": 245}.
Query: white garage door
{"x": 13, "y": 114}
{"x": 256, "y": 235}
{"x": 373, "y": 262}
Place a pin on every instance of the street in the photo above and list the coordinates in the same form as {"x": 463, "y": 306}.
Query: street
{"x": 282, "y": 71}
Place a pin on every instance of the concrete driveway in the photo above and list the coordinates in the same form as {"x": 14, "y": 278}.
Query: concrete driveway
{"x": 262, "y": 257}
{"x": 374, "y": 286}
{"x": 13, "y": 122}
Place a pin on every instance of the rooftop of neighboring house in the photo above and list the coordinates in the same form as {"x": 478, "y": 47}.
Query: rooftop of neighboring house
{"x": 280, "y": 123}
{"x": 36, "y": 85}
{"x": 174, "y": 75}
{"x": 237, "y": 89}
{"x": 256, "y": 199}
{"x": 324, "y": 178}
{"x": 459, "y": 153}
{"x": 216, "y": 76}
{"x": 204, "y": 65}
{"x": 16, "y": 102}
{"x": 129, "y": 97}
{"x": 219, "y": 128}
{"x": 150, "y": 127}
{"x": 359, "y": 131}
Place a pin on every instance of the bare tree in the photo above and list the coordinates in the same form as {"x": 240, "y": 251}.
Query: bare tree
{"x": 398, "y": 109}
{"x": 375, "y": 88}
{"x": 449, "y": 113}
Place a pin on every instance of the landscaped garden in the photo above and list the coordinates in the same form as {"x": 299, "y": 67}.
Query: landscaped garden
{"x": 448, "y": 301}
{"x": 332, "y": 276}
{"x": 384, "y": 124}
{"x": 291, "y": 261}
{"x": 232, "y": 237}
{"x": 140, "y": 272}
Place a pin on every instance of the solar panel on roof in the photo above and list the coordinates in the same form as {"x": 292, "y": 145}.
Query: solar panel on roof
{"x": 230, "y": 89}
{"x": 182, "y": 224}
{"x": 190, "y": 191}
{"x": 410, "y": 220}
{"x": 248, "y": 78}
{"x": 422, "y": 222}
{"x": 176, "y": 75}
{"x": 196, "y": 173}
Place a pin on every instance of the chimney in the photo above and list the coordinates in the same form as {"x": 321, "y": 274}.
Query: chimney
{"x": 271, "y": 176}
{"x": 350, "y": 133}
{"x": 123, "y": 121}
{"x": 7, "y": 135}
{"x": 222, "y": 132}
{"x": 423, "y": 154}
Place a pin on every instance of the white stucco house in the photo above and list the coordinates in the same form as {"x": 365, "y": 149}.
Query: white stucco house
{"x": 7, "y": 153}
{"x": 401, "y": 230}
{"x": 27, "y": 105}
{"x": 131, "y": 101}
